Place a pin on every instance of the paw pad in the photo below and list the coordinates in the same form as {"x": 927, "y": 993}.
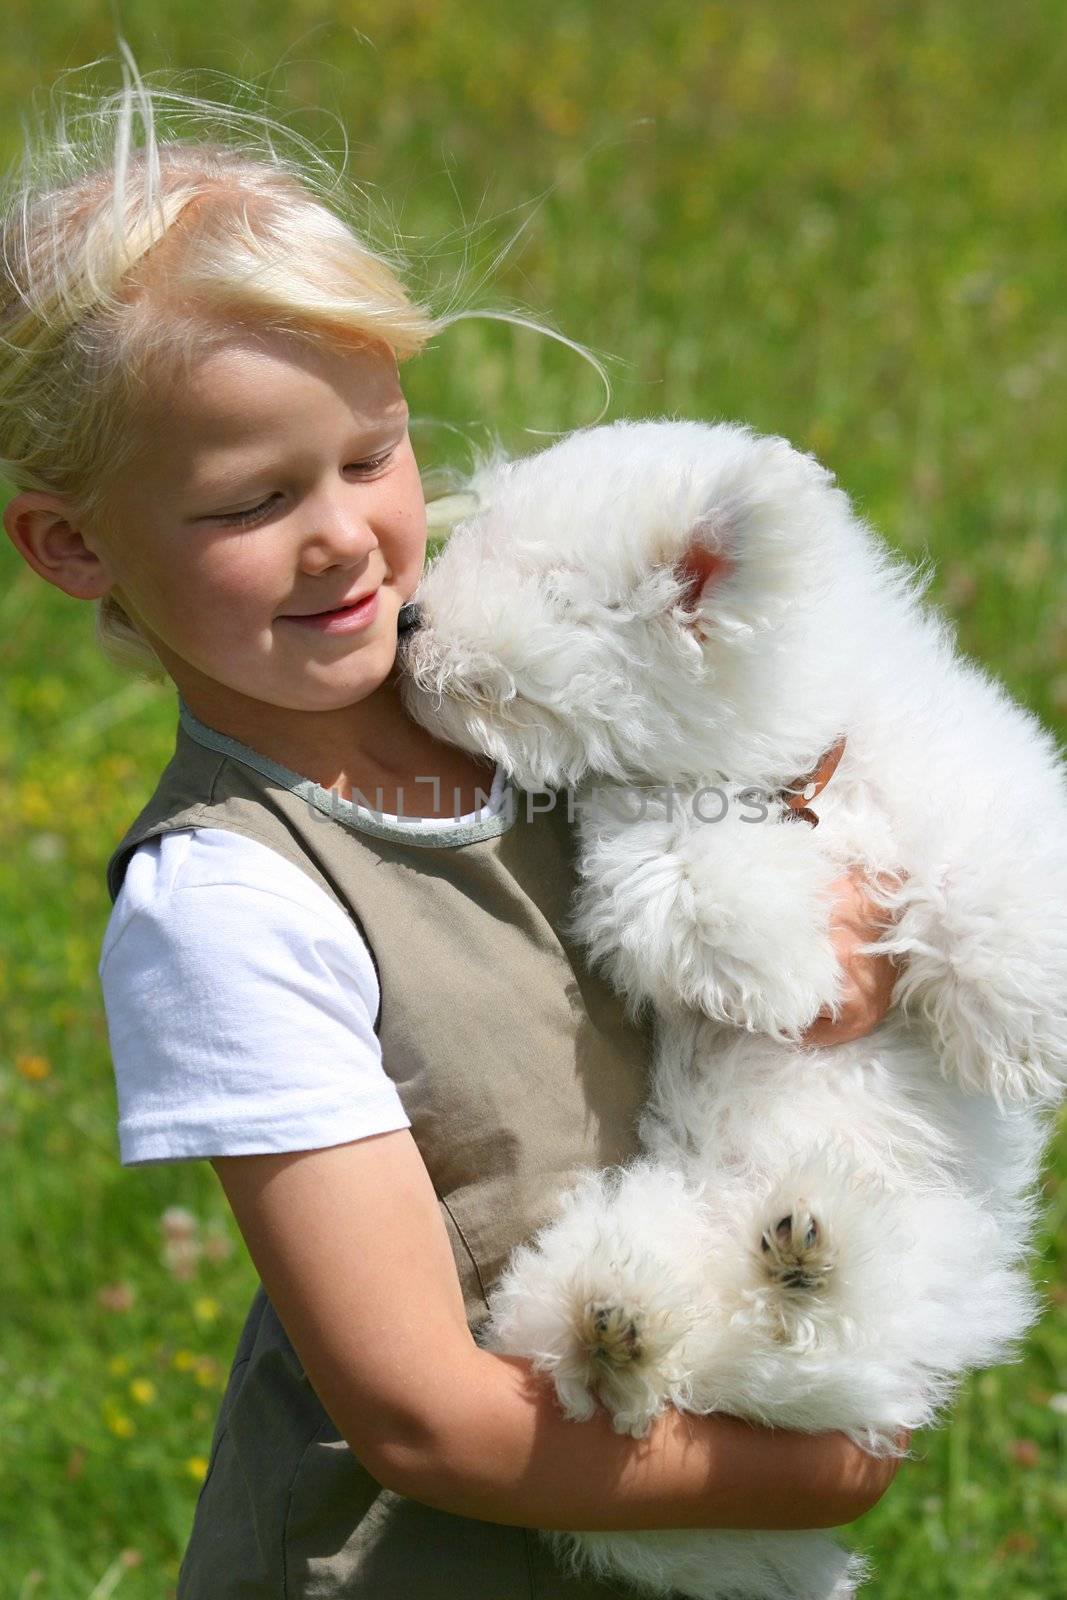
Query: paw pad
{"x": 796, "y": 1250}
{"x": 610, "y": 1333}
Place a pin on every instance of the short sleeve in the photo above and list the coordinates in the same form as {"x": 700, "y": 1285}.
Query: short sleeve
{"x": 240, "y": 1002}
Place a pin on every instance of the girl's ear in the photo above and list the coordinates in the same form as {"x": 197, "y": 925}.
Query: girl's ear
{"x": 702, "y": 565}
{"x": 37, "y": 526}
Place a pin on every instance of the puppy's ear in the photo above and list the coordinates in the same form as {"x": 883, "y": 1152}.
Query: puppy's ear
{"x": 702, "y": 565}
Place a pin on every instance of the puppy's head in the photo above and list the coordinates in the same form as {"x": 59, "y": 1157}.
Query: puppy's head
{"x": 614, "y": 602}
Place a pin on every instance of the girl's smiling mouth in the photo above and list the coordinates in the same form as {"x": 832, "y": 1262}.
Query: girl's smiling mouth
{"x": 346, "y": 619}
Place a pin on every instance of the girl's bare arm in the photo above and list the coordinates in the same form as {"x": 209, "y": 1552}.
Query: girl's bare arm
{"x": 351, "y": 1248}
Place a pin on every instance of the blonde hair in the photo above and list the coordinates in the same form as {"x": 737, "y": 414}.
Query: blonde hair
{"x": 119, "y": 261}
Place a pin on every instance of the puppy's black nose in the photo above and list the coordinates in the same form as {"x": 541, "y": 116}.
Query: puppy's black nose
{"x": 408, "y": 617}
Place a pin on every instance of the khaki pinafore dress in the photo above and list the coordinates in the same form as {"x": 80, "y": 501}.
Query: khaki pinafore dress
{"x": 517, "y": 1068}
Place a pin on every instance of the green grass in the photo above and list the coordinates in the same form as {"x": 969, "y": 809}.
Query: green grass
{"x": 847, "y": 230}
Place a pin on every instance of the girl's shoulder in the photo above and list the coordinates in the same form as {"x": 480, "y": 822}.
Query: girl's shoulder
{"x": 225, "y": 870}
{"x": 240, "y": 1003}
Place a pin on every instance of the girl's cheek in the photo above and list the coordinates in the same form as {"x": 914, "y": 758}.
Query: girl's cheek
{"x": 244, "y": 578}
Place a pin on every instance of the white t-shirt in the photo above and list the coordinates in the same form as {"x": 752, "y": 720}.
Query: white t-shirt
{"x": 240, "y": 1003}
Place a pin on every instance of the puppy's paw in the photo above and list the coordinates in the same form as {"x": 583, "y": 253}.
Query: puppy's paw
{"x": 611, "y": 1333}
{"x": 604, "y": 1299}
{"x": 629, "y": 1358}
{"x": 797, "y": 1250}
{"x": 730, "y": 920}
{"x": 781, "y": 1000}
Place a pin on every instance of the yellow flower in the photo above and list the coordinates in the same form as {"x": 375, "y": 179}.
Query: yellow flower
{"x": 33, "y": 1067}
{"x": 196, "y": 1467}
{"x": 184, "y": 1361}
{"x": 118, "y": 1366}
{"x": 143, "y": 1391}
{"x": 205, "y": 1309}
{"x": 120, "y": 1425}
{"x": 33, "y": 804}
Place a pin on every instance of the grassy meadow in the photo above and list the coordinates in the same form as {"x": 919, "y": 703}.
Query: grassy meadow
{"x": 843, "y": 223}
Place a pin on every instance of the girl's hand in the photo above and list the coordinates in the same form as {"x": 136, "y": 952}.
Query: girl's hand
{"x": 856, "y": 920}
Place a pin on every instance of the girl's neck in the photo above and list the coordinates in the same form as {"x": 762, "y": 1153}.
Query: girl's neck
{"x": 371, "y": 752}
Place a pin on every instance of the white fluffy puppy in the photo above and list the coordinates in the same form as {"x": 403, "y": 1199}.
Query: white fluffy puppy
{"x": 689, "y": 626}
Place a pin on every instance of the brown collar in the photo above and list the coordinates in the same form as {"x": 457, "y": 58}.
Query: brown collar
{"x": 796, "y": 795}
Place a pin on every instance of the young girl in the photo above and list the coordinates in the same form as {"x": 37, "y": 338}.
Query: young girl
{"x": 333, "y": 967}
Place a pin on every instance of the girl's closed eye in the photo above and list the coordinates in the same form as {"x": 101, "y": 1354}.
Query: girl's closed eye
{"x": 243, "y": 519}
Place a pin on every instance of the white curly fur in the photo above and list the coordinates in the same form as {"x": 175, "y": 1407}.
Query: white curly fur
{"x": 678, "y": 619}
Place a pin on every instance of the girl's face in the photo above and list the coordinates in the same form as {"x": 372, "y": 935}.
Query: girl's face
{"x": 276, "y": 481}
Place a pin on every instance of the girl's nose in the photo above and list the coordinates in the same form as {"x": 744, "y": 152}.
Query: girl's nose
{"x": 337, "y": 534}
